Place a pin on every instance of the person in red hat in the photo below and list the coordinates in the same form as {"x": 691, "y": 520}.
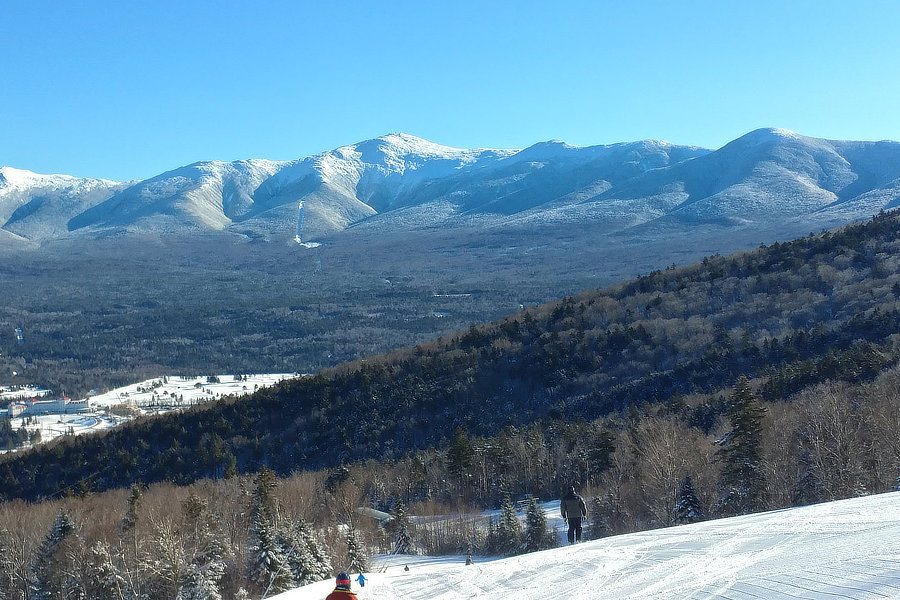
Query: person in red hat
{"x": 342, "y": 589}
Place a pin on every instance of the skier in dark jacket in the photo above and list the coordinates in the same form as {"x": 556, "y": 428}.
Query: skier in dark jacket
{"x": 573, "y": 510}
{"x": 342, "y": 589}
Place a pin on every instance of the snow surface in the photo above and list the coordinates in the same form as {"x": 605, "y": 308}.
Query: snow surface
{"x": 839, "y": 550}
{"x": 8, "y": 393}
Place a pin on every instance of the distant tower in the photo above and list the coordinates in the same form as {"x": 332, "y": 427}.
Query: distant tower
{"x": 299, "y": 238}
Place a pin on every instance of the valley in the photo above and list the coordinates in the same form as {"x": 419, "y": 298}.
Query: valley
{"x": 126, "y": 309}
{"x": 196, "y": 270}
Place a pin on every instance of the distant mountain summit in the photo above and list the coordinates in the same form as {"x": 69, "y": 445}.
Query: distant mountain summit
{"x": 767, "y": 178}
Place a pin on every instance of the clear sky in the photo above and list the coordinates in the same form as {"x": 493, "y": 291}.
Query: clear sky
{"x": 128, "y": 89}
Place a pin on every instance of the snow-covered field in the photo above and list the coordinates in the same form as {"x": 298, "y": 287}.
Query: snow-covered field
{"x": 847, "y": 549}
{"x": 147, "y": 397}
{"x": 9, "y": 393}
{"x": 186, "y": 390}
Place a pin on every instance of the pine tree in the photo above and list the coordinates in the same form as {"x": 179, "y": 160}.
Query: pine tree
{"x": 101, "y": 578}
{"x": 47, "y": 578}
{"x": 598, "y": 526}
{"x": 306, "y": 558}
{"x": 742, "y": 479}
{"x": 400, "y": 523}
{"x": 206, "y": 553}
{"x": 688, "y": 508}
{"x": 127, "y": 559}
{"x": 268, "y": 567}
{"x": 296, "y": 555}
{"x": 241, "y": 594}
{"x": 357, "y": 557}
{"x": 460, "y": 458}
{"x": 320, "y": 566}
{"x": 537, "y": 536}
{"x": 508, "y": 534}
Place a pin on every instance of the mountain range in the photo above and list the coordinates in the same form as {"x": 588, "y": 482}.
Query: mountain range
{"x": 768, "y": 180}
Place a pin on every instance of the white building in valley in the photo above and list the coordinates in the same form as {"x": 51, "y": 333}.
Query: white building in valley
{"x": 62, "y": 406}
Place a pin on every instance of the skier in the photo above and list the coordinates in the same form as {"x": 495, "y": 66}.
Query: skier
{"x": 361, "y": 580}
{"x": 573, "y": 510}
{"x": 342, "y": 589}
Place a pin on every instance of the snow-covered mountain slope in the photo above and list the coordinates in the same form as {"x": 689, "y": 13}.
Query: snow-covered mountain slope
{"x": 766, "y": 176}
{"x": 547, "y": 173}
{"x": 839, "y": 550}
{"x": 399, "y": 182}
{"x": 261, "y": 197}
{"x": 34, "y": 206}
{"x": 207, "y": 195}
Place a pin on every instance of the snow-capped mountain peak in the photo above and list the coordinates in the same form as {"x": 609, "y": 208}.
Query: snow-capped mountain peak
{"x": 21, "y": 179}
{"x": 399, "y": 181}
{"x": 399, "y": 152}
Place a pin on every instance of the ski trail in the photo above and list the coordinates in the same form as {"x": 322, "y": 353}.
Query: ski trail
{"x": 847, "y": 550}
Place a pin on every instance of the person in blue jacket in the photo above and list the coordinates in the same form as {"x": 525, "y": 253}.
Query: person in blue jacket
{"x": 362, "y": 580}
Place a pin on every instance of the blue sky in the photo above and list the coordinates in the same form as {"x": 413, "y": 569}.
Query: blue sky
{"x": 129, "y": 89}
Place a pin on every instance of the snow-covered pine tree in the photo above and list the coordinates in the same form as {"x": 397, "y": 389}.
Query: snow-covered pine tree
{"x": 357, "y": 557}
{"x": 400, "y": 522}
{"x": 537, "y": 536}
{"x": 101, "y": 576}
{"x": 509, "y": 530}
{"x": 475, "y": 538}
{"x": 295, "y": 553}
{"x": 490, "y": 539}
{"x": 206, "y": 553}
{"x": 740, "y": 451}
{"x": 268, "y": 567}
{"x": 200, "y": 585}
{"x": 320, "y": 566}
{"x": 688, "y": 508}
{"x": 306, "y": 556}
{"x": 48, "y": 580}
{"x": 241, "y": 594}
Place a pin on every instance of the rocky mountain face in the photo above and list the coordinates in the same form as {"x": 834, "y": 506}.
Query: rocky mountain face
{"x": 767, "y": 180}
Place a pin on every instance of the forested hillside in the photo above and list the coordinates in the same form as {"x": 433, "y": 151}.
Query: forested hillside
{"x": 789, "y": 315}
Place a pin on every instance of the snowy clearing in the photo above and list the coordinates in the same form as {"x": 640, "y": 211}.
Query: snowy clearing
{"x": 846, "y": 549}
{"x": 152, "y": 396}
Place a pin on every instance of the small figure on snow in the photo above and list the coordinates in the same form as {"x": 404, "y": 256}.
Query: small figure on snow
{"x": 573, "y": 510}
{"x": 406, "y": 567}
{"x": 342, "y": 589}
{"x": 361, "y": 580}
{"x": 469, "y": 559}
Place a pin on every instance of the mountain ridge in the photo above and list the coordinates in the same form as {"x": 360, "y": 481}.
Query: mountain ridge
{"x": 402, "y": 181}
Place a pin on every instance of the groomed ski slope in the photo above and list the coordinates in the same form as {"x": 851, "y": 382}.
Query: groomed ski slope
{"x": 845, "y": 549}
